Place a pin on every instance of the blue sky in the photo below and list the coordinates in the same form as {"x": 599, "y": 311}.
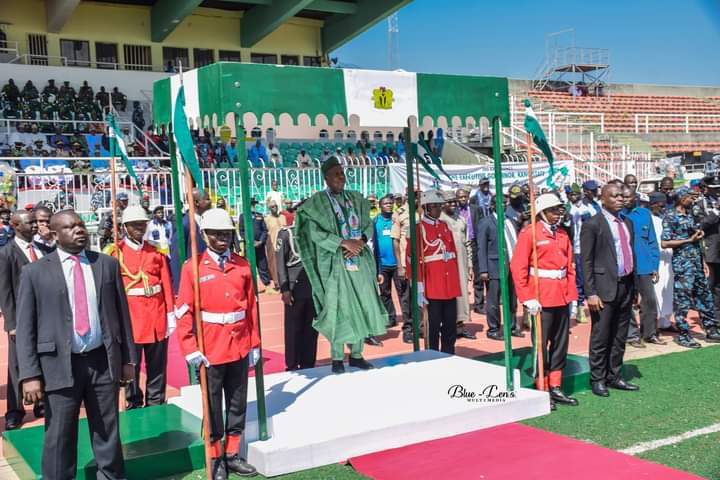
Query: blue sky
{"x": 650, "y": 41}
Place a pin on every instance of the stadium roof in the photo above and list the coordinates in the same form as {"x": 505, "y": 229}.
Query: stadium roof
{"x": 343, "y": 19}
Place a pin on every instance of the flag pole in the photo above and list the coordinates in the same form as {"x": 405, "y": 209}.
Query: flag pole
{"x": 177, "y": 207}
{"x": 197, "y": 314}
{"x": 535, "y": 279}
{"x": 425, "y": 320}
{"x": 414, "y": 307}
{"x": 250, "y": 255}
{"x": 504, "y": 286}
{"x": 113, "y": 192}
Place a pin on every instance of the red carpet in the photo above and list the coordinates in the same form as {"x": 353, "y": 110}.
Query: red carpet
{"x": 509, "y": 452}
{"x": 177, "y": 372}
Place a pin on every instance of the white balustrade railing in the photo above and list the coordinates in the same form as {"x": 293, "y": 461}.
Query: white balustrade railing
{"x": 663, "y": 122}
{"x": 88, "y": 192}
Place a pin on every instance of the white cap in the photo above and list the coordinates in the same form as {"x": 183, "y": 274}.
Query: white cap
{"x": 432, "y": 196}
{"x": 134, "y": 213}
{"x": 216, "y": 219}
{"x": 547, "y": 200}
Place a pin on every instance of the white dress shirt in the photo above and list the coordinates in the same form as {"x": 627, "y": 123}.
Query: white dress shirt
{"x": 24, "y": 247}
{"x": 93, "y": 339}
{"x": 613, "y": 224}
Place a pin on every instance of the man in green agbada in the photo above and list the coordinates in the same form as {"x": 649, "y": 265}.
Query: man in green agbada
{"x": 333, "y": 227}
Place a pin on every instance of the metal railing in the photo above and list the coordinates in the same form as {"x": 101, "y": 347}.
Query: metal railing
{"x": 87, "y": 192}
{"x": 62, "y": 61}
{"x": 662, "y": 122}
{"x": 11, "y": 48}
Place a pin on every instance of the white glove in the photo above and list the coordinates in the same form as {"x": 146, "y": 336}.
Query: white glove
{"x": 171, "y": 324}
{"x": 253, "y": 356}
{"x": 533, "y": 306}
{"x": 421, "y": 300}
{"x": 196, "y": 358}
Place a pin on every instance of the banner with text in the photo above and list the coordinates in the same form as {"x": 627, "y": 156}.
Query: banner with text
{"x": 471, "y": 174}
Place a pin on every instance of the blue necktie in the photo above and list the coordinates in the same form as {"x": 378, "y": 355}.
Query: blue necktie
{"x": 221, "y": 262}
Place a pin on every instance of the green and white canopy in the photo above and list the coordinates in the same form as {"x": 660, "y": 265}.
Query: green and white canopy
{"x": 377, "y": 98}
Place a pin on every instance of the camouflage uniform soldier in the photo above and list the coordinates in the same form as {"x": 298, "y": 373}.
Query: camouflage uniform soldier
{"x": 681, "y": 232}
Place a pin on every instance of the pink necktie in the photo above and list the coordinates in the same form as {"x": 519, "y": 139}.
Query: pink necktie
{"x": 625, "y": 248}
{"x": 82, "y": 318}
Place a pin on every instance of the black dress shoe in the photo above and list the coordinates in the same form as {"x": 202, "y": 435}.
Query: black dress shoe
{"x": 637, "y": 343}
{"x": 558, "y": 396}
{"x": 408, "y": 337}
{"x": 337, "y": 366}
{"x": 240, "y": 467}
{"x": 218, "y": 469}
{"x": 599, "y": 389}
{"x": 712, "y": 335}
{"x": 621, "y": 384}
{"x": 39, "y": 410}
{"x": 518, "y": 333}
{"x": 685, "y": 340}
{"x": 360, "y": 363}
{"x": 553, "y": 407}
{"x": 654, "y": 339}
{"x": 671, "y": 329}
{"x": 371, "y": 340}
{"x": 466, "y": 334}
{"x": 13, "y": 422}
{"x": 494, "y": 335}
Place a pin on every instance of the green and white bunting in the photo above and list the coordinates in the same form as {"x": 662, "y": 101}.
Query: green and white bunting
{"x": 119, "y": 149}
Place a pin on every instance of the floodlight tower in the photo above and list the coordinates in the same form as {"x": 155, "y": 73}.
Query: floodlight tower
{"x": 393, "y": 52}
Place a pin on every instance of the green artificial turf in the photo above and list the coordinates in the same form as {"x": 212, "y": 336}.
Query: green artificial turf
{"x": 678, "y": 392}
{"x": 699, "y": 455}
{"x": 329, "y": 472}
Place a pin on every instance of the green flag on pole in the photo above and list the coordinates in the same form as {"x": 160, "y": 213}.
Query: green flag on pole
{"x": 118, "y": 148}
{"x": 184, "y": 140}
{"x": 532, "y": 126}
{"x": 425, "y": 152}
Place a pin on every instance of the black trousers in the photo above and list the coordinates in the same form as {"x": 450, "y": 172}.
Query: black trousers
{"x": 99, "y": 393}
{"x": 262, "y": 265}
{"x": 555, "y": 328}
{"x": 478, "y": 285}
{"x": 492, "y": 307}
{"x": 390, "y": 277}
{"x": 442, "y": 318}
{"x": 230, "y": 379}
{"x": 13, "y": 393}
{"x": 714, "y": 283}
{"x": 608, "y": 334}
{"x": 156, "y": 370}
{"x": 648, "y": 310}
{"x": 300, "y": 336}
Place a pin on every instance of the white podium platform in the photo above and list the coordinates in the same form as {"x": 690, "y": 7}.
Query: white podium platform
{"x": 317, "y": 418}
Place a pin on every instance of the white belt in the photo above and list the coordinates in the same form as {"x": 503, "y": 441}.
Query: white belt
{"x": 552, "y": 274}
{"x": 141, "y": 292}
{"x": 439, "y": 256}
{"x": 223, "y": 318}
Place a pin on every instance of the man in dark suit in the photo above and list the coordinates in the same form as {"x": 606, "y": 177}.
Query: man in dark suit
{"x": 489, "y": 269}
{"x": 202, "y": 204}
{"x": 608, "y": 269}
{"x": 75, "y": 346}
{"x": 13, "y": 257}
{"x": 260, "y": 237}
{"x": 300, "y": 336}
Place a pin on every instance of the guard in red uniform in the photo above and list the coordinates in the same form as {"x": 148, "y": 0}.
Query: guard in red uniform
{"x": 148, "y": 286}
{"x": 556, "y": 276}
{"x": 438, "y": 275}
{"x": 232, "y": 340}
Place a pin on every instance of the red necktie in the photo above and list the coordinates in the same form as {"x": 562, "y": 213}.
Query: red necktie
{"x": 82, "y": 318}
{"x": 31, "y": 251}
{"x": 625, "y": 248}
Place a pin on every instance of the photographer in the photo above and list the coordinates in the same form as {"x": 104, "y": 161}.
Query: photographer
{"x": 683, "y": 234}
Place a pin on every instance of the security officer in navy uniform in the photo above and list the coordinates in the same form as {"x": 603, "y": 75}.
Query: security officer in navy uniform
{"x": 260, "y": 237}
{"x": 683, "y": 233}
{"x": 708, "y": 215}
{"x": 300, "y": 336}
